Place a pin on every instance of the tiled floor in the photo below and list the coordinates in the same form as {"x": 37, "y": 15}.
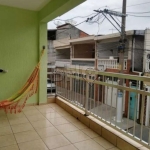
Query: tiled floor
{"x": 47, "y": 127}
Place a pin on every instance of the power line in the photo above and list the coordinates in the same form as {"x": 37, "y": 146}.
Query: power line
{"x": 137, "y": 16}
{"x": 139, "y": 12}
{"x": 132, "y": 5}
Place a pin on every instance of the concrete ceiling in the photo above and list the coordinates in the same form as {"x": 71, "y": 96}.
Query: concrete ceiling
{"x": 25, "y": 4}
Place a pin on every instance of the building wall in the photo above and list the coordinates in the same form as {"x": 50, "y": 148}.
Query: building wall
{"x": 19, "y": 49}
{"x": 67, "y": 31}
{"x": 83, "y": 34}
{"x": 63, "y": 54}
{"x": 104, "y": 50}
{"x": 51, "y": 52}
{"x": 84, "y": 51}
{"x": 138, "y": 53}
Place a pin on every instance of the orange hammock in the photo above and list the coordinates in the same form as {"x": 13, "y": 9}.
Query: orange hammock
{"x": 17, "y": 102}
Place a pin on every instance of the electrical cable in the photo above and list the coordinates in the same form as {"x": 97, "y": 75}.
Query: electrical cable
{"x": 132, "y": 5}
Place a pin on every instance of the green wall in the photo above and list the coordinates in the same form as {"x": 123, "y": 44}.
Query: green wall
{"x": 19, "y": 49}
{"x": 23, "y": 33}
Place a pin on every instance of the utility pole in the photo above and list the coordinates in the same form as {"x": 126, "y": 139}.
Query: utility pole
{"x": 123, "y": 38}
{"x": 121, "y": 50}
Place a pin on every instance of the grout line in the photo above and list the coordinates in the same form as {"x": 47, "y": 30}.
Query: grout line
{"x": 13, "y": 132}
{"x": 38, "y": 134}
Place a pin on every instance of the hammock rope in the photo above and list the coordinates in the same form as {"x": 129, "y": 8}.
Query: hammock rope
{"x": 17, "y": 102}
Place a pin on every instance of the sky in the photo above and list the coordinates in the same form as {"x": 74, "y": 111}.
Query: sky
{"x": 86, "y": 8}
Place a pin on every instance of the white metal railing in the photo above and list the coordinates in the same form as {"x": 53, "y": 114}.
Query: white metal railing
{"x": 147, "y": 65}
{"x": 124, "y": 107}
{"x": 103, "y": 64}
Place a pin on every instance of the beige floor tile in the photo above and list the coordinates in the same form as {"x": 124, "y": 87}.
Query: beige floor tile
{"x": 103, "y": 142}
{"x": 22, "y": 127}
{"x": 76, "y": 136}
{"x": 88, "y": 145}
{"x": 114, "y": 148}
{"x": 36, "y": 117}
{"x": 3, "y": 117}
{"x": 58, "y": 121}
{"x": 63, "y": 113}
{"x": 66, "y": 128}
{"x": 46, "y": 110}
{"x": 5, "y": 130}
{"x": 53, "y": 105}
{"x": 90, "y": 133}
{"x": 28, "y": 108}
{"x": 41, "y": 124}
{"x": 33, "y": 145}
{"x": 42, "y": 107}
{"x": 26, "y": 136}
{"x": 56, "y": 141}
{"x": 7, "y": 140}
{"x": 31, "y": 112}
{"x": 2, "y": 113}
{"x": 12, "y": 147}
{"x": 4, "y": 123}
{"x": 68, "y": 147}
{"x": 79, "y": 125}
{"x": 71, "y": 119}
{"x": 18, "y": 121}
{"x": 58, "y": 109}
{"x": 13, "y": 116}
{"x": 46, "y": 132}
{"x": 52, "y": 115}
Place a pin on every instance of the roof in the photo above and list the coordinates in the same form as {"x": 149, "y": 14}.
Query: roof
{"x": 88, "y": 39}
{"x": 71, "y": 25}
{"x": 93, "y": 38}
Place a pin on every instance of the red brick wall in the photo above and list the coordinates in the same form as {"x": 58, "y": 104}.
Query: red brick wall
{"x": 83, "y": 34}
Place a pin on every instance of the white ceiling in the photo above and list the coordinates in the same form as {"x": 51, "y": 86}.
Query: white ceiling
{"x": 25, "y": 4}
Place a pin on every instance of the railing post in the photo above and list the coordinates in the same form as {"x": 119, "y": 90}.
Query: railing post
{"x": 119, "y": 106}
{"x": 87, "y": 95}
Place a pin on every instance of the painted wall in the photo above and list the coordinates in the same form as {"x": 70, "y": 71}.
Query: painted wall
{"x": 19, "y": 46}
{"x": 67, "y": 31}
{"x": 23, "y": 33}
{"x": 108, "y": 48}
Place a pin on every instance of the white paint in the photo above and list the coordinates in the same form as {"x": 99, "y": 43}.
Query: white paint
{"x": 119, "y": 107}
{"x": 147, "y": 118}
{"x": 109, "y": 93}
{"x": 25, "y": 4}
{"x": 107, "y": 63}
{"x": 146, "y": 61}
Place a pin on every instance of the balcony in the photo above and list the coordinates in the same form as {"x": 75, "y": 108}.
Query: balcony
{"x": 104, "y": 64}
{"x": 62, "y": 62}
{"x": 122, "y": 110}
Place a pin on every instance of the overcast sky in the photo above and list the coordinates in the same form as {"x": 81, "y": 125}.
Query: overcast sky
{"x": 88, "y": 6}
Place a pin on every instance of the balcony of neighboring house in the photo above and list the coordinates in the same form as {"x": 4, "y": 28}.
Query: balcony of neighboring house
{"x": 62, "y": 57}
{"x": 108, "y": 58}
{"x": 83, "y": 55}
{"x": 111, "y": 63}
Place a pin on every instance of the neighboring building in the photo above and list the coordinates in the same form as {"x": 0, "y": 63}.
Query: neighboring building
{"x": 59, "y": 46}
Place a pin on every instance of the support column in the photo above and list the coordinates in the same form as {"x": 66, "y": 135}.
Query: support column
{"x": 42, "y": 99}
